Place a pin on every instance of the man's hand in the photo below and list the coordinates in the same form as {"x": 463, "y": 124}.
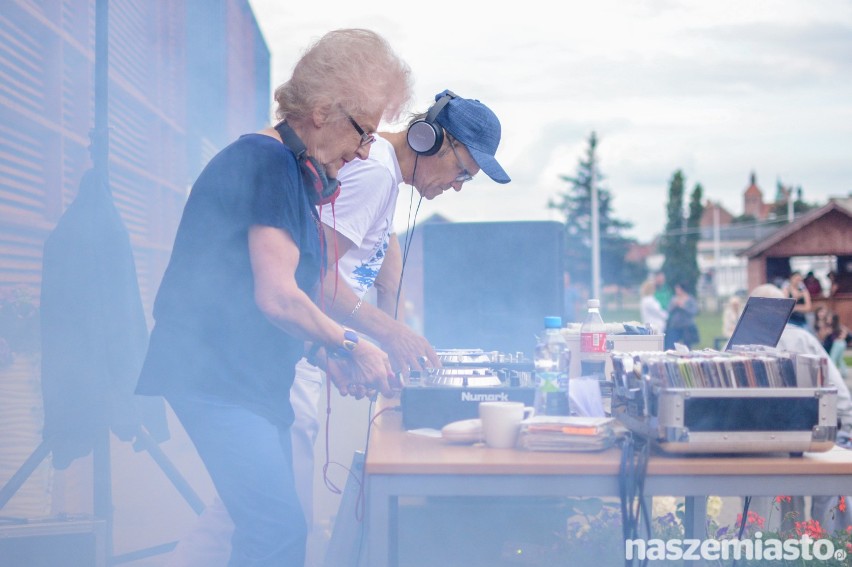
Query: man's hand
{"x": 408, "y": 351}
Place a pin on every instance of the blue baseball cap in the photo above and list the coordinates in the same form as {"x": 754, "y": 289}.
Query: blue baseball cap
{"x": 477, "y": 127}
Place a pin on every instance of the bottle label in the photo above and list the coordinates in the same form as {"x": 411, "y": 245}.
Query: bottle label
{"x": 593, "y": 342}
{"x": 548, "y": 381}
{"x": 552, "y": 394}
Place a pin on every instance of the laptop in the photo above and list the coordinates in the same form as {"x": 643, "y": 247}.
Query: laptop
{"x": 761, "y": 322}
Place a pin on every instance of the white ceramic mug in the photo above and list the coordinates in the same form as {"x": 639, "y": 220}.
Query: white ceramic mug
{"x": 501, "y": 422}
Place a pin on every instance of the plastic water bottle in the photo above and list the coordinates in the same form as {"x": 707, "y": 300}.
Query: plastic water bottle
{"x": 551, "y": 370}
{"x": 593, "y": 343}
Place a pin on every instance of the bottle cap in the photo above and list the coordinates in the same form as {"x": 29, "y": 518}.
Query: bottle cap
{"x": 594, "y": 303}
{"x": 553, "y": 322}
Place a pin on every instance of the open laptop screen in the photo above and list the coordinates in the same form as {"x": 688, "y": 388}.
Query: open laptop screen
{"x": 762, "y": 321}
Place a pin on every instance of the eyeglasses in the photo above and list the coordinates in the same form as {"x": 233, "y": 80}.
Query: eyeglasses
{"x": 366, "y": 139}
{"x": 465, "y": 175}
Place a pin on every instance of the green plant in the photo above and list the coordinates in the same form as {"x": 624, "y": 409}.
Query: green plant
{"x": 19, "y": 323}
{"x": 592, "y": 529}
{"x": 777, "y": 545}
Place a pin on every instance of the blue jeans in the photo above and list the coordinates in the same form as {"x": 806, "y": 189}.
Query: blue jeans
{"x": 250, "y": 462}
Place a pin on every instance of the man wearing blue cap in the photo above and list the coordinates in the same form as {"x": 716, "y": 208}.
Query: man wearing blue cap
{"x": 441, "y": 149}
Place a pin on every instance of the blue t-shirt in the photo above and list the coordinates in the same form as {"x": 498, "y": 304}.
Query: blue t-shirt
{"x": 209, "y": 336}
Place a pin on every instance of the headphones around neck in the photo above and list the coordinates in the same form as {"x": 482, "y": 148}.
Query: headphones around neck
{"x": 313, "y": 173}
{"x": 425, "y": 136}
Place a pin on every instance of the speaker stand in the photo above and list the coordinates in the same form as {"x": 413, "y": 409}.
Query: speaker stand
{"x": 102, "y": 486}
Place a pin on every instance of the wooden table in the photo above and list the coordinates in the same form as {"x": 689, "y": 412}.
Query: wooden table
{"x": 401, "y": 464}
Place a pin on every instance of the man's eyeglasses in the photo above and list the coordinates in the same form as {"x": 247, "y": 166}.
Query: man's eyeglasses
{"x": 366, "y": 139}
{"x": 465, "y": 175}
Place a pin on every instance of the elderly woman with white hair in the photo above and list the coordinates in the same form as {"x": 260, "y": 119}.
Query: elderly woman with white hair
{"x": 235, "y": 310}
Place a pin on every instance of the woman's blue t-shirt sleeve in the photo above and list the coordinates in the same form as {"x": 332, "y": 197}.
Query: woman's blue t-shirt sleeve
{"x": 278, "y": 198}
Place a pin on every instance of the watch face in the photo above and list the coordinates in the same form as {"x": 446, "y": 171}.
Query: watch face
{"x": 350, "y": 340}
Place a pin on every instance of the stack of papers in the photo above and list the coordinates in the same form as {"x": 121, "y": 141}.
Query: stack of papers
{"x": 566, "y": 433}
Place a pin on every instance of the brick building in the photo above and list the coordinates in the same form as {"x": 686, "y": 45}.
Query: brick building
{"x": 185, "y": 78}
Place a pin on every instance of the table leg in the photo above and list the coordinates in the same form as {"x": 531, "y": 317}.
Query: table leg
{"x": 393, "y": 531}
{"x": 381, "y": 515}
{"x": 695, "y": 517}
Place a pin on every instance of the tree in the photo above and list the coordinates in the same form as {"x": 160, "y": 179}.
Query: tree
{"x": 800, "y": 206}
{"x": 575, "y": 204}
{"x": 690, "y": 272}
{"x": 679, "y": 243}
{"x": 745, "y": 219}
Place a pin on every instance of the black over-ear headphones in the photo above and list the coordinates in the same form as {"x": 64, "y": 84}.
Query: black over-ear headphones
{"x": 425, "y": 136}
{"x": 327, "y": 188}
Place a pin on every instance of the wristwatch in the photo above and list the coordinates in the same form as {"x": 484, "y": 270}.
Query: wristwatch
{"x": 350, "y": 341}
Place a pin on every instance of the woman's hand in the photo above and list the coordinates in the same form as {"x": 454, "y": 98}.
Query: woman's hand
{"x": 339, "y": 372}
{"x": 364, "y": 371}
{"x": 371, "y": 369}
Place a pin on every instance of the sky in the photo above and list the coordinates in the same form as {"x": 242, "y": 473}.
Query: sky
{"x": 718, "y": 90}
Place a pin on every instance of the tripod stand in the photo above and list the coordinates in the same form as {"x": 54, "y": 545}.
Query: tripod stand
{"x": 102, "y": 480}
{"x": 94, "y": 333}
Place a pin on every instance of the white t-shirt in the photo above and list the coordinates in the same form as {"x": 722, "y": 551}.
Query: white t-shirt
{"x": 653, "y": 314}
{"x": 364, "y": 213}
{"x": 797, "y": 339}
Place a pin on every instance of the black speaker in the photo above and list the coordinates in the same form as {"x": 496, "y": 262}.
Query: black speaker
{"x": 489, "y": 285}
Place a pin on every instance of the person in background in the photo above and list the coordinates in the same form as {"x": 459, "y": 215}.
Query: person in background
{"x": 795, "y": 288}
{"x": 370, "y": 257}
{"x": 651, "y": 312}
{"x": 662, "y": 292}
{"x": 813, "y": 285}
{"x": 836, "y": 342}
{"x": 834, "y": 283}
{"x": 680, "y": 326}
{"x": 822, "y": 324}
{"x": 731, "y": 315}
{"x": 235, "y": 312}
{"x": 796, "y": 339}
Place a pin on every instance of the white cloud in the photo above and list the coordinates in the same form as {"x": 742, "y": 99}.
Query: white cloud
{"x": 717, "y": 89}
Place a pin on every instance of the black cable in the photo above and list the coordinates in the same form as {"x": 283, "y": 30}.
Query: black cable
{"x": 640, "y": 480}
{"x": 409, "y": 237}
{"x": 624, "y": 482}
{"x": 746, "y": 504}
{"x": 743, "y": 521}
{"x": 631, "y": 487}
{"x": 361, "y": 487}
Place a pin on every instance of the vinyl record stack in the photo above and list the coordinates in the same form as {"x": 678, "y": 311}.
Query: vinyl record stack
{"x": 749, "y": 400}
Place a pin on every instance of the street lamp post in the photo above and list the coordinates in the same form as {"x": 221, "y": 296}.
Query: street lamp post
{"x": 596, "y": 236}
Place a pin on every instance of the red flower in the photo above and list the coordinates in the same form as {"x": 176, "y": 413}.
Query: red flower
{"x": 754, "y": 519}
{"x": 841, "y": 503}
{"x": 783, "y": 498}
{"x": 810, "y": 528}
